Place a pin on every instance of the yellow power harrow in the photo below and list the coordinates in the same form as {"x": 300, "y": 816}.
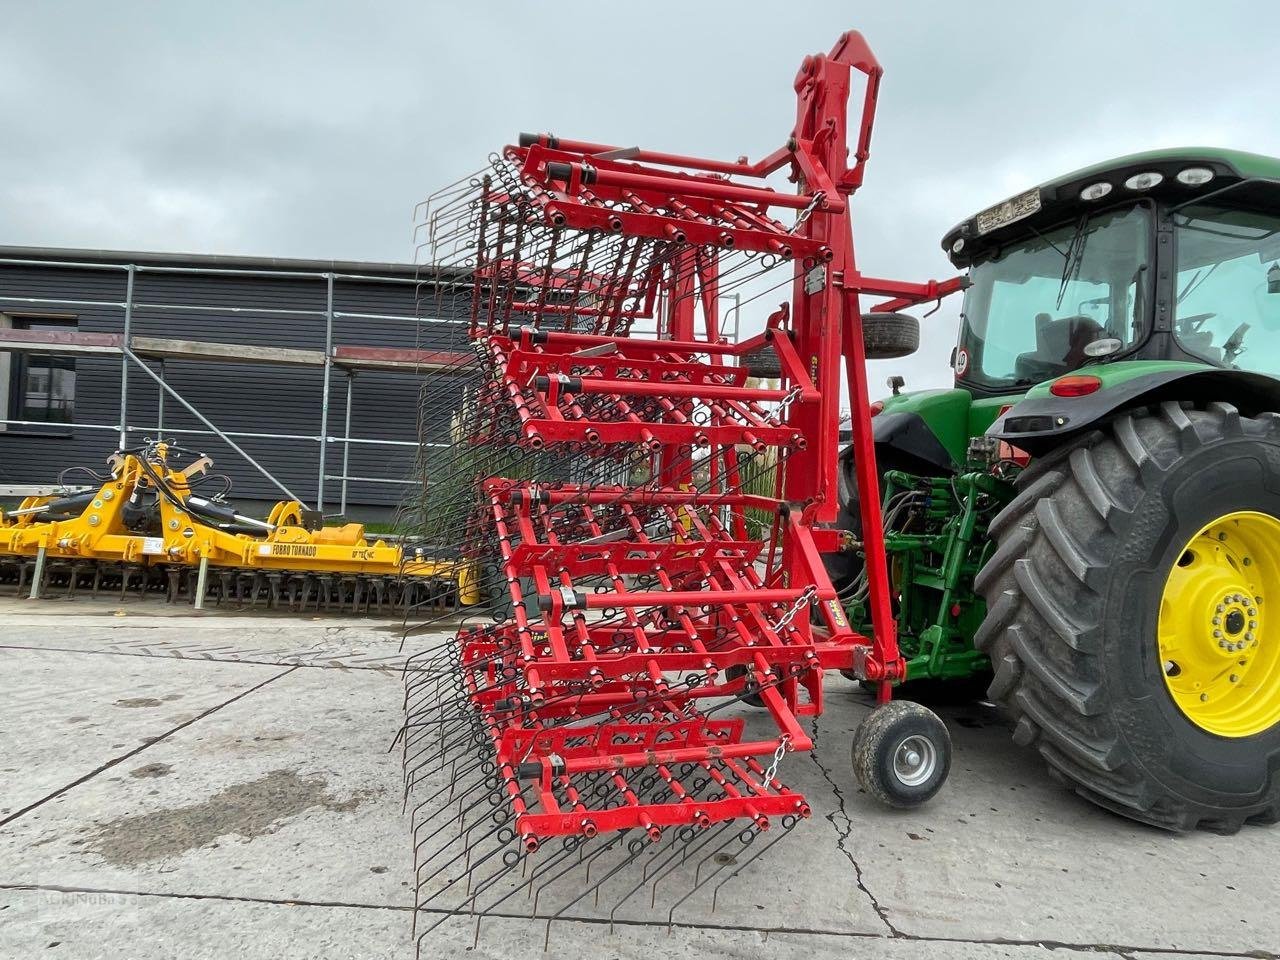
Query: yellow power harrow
{"x": 144, "y": 527}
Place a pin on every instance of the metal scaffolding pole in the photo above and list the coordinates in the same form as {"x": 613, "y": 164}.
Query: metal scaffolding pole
{"x": 346, "y": 441}
{"x": 130, "y": 355}
{"x": 324, "y": 389}
{"x": 124, "y": 359}
{"x": 160, "y": 403}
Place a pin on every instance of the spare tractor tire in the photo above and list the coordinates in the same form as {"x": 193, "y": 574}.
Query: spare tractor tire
{"x": 888, "y": 336}
{"x": 885, "y": 336}
{"x": 763, "y": 363}
{"x": 1126, "y": 621}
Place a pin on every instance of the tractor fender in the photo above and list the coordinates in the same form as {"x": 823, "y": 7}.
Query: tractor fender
{"x": 1041, "y": 421}
{"x": 909, "y": 434}
{"x": 902, "y": 438}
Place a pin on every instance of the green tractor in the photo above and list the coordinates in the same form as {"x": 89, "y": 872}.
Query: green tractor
{"x": 1088, "y": 524}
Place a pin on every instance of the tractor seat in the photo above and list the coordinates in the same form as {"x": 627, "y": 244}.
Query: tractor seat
{"x": 1059, "y": 346}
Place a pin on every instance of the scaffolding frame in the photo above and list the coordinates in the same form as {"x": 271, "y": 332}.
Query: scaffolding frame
{"x": 136, "y": 351}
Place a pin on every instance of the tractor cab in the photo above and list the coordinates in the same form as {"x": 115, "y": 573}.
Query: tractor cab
{"x": 1052, "y": 302}
{"x": 1169, "y": 256}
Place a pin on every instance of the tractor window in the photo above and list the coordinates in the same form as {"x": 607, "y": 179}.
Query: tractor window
{"x": 1228, "y": 300}
{"x": 1032, "y": 310}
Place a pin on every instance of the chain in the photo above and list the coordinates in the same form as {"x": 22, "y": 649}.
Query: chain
{"x": 787, "y": 401}
{"x": 777, "y": 759}
{"x": 807, "y": 212}
{"x": 801, "y": 602}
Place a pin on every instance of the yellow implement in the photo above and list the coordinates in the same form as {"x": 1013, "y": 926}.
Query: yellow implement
{"x": 146, "y": 526}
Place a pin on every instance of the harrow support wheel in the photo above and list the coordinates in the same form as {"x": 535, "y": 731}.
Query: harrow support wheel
{"x": 736, "y": 671}
{"x": 902, "y": 753}
{"x": 1116, "y": 558}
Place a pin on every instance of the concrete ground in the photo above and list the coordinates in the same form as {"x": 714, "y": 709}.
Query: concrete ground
{"x": 174, "y": 786}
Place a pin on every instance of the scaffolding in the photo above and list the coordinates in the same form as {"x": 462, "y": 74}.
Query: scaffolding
{"x": 137, "y": 353}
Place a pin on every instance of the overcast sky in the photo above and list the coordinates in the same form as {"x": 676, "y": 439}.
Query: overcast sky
{"x": 310, "y": 129}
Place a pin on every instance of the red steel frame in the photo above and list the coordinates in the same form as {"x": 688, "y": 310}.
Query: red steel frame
{"x": 559, "y": 688}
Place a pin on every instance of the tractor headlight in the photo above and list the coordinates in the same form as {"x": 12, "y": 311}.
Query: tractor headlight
{"x": 1195, "y": 176}
{"x": 1144, "y": 181}
{"x": 1095, "y": 191}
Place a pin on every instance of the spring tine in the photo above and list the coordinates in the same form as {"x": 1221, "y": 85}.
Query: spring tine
{"x": 634, "y": 852}
{"x": 788, "y": 824}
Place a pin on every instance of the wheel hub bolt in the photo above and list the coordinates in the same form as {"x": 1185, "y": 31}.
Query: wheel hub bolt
{"x": 1234, "y": 678}
{"x": 1204, "y": 697}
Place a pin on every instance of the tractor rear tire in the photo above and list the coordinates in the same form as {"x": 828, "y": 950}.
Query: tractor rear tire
{"x": 1074, "y": 596}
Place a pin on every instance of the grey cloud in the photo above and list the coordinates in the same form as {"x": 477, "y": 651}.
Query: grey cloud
{"x": 295, "y": 129}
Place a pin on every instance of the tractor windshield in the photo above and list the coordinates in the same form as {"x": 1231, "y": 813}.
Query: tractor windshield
{"x": 1045, "y": 304}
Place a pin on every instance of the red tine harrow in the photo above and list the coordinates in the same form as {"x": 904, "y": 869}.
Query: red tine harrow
{"x": 650, "y": 518}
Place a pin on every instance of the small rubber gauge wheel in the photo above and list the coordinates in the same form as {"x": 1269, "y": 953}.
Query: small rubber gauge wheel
{"x": 902, "y": 753}
{"x": 736, "y": 671}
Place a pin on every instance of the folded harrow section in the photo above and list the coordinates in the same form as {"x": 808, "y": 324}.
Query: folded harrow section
{"x": 567, "y": 387}
{"x": 647, "y": 514}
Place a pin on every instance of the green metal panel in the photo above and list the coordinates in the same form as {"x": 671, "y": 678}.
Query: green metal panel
{"x": 1246, "y": 164}
{"x": 1122, "y": 371}
{"x": 953, "y": 415}
{"x": 984, "y": 410}
{"x": 945, "y": 412}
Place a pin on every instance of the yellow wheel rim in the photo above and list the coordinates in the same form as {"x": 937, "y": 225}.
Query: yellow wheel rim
{"x": 1220, "y": 667}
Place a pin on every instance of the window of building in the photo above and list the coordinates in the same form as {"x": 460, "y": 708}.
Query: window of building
{"x": 40, "y": 392}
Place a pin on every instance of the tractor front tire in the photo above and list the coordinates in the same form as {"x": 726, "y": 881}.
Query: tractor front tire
{"x": 1080, "y": 597}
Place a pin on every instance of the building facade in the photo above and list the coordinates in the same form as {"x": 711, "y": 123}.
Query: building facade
{"x": 311, "y": 368}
